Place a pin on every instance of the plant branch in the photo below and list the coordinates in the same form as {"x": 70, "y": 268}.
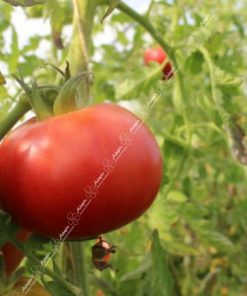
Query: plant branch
{"x": 78, "y": 55}
{"x": 20, "y": 109}
{"x": 79, "y": 274}
{"x": 81, "y": 38}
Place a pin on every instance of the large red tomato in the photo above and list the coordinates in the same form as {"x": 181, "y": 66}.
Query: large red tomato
{"x": 79, "y": 174}
{"x": 158, "y": 55}
{"x": 12, "y": 256}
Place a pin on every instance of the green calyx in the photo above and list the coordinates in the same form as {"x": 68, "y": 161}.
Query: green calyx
{"x": 34, "y": 98}
{"x": 68, "y": 98}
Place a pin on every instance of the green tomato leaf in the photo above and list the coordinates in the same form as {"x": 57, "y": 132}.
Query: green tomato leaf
{"x": 216, "y": 239}
{"x": 194, "y": 62}
{"x": 139, "y": 271}
{"x": 176, "y": 196}
{"x": 226, "y": 79}
{"x": 160, "y": 277}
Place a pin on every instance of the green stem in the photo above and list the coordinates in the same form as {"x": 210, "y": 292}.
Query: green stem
{"x": 81, "y": 38}
{"x": 80, "y": 275}
{"x": 20, "y": 109}
{"x": 78, "y": 55}
{"x": 74, "y": 266}
{"x": 48, "y": 93}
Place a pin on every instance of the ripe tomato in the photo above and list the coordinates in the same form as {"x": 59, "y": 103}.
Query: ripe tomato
{"x": 35, "y": 290}
{"x": 12, "y": 256}
{"x": 158, "y": 55}
{"x": 79, "y": 174}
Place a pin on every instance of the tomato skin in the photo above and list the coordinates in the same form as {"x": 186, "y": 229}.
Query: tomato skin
{"x": 35, "y": 290}
{"x": 47, "y": 165}
{"x": 12, "y": 256}
{"x": 157, "y": 54}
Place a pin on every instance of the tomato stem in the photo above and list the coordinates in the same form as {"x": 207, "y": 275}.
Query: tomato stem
{"x": 48, "y": 93}
{"x": 78, "y": 55}
{"x": 75, "y": 268}
{"x": 20, "y": 109}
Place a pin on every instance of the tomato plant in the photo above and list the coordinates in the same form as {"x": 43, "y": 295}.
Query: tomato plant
{"x": 55, "y": 165}
{"x": 85, "y": 55}
{"x": 158, "y": 55}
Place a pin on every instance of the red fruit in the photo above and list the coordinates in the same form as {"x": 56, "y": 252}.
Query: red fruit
{"x": 158, "y": 55}
{"x": 12, "y": 256}
{"x": 80, "y": 174}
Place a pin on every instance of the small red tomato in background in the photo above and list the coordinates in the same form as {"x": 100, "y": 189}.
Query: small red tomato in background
{"x": 99, "y": 293}
{"x": 52, "y": 169}
{"x": 12, "y": 256}
{"x": 158, "y": 55}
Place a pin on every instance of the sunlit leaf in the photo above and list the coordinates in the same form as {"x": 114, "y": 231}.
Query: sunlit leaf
{"x": 160, "y": 276}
